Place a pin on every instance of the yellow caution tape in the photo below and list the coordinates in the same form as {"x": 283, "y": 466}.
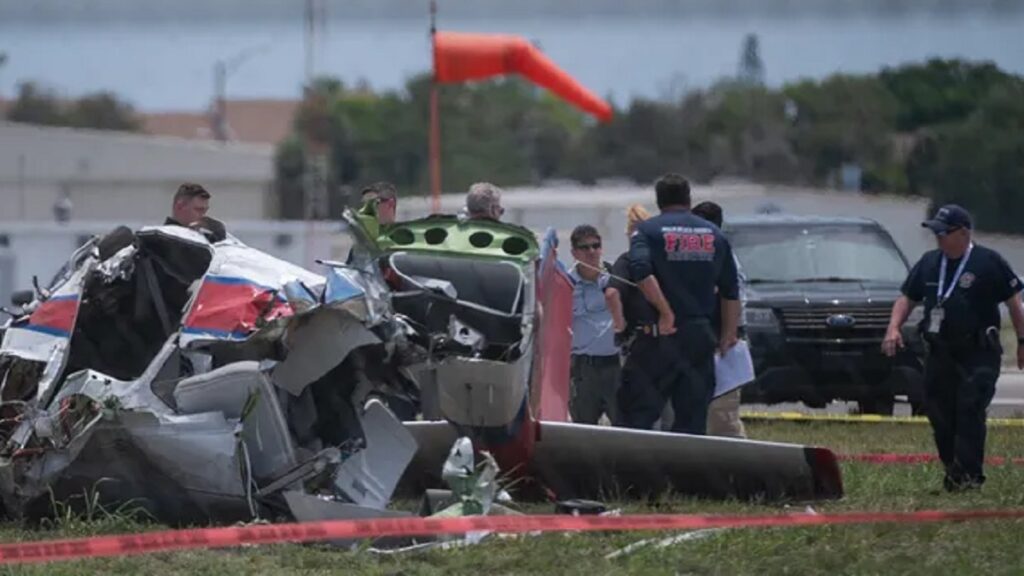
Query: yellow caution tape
{"x": 860, "y": 418}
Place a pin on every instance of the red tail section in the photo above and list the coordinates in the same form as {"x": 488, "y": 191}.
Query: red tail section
{"x": 554, "y": 337}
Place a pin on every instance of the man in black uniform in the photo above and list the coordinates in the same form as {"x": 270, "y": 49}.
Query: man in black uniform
{"x": 961, "y": 285}
{"x": 687, "y": 257}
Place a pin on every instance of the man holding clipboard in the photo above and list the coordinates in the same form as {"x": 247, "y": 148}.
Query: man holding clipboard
{"x": 735, "y": 368}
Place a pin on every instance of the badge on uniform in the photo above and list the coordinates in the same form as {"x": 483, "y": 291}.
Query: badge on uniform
{"x": 967, "y": 280}
{"x": 935, "y": 320}
{"x": 959, "y": 277}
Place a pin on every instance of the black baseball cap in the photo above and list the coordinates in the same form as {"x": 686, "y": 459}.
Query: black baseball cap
{"x": 949, "y": 217}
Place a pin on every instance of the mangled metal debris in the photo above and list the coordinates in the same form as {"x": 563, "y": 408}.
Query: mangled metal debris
{"x": 211, "y": 382}
{"x": 206, "y": 381}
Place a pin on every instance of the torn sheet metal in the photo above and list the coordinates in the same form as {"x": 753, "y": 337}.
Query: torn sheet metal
{"x": 45, "y": 335}
{"x": 242, "y": 290}
{"x": 480, "y": 392}
{"x": 198, "y": 451}
{"x": 369, "y": 477}
{"x": 300, "y": 297}
{"x": 347, "y": 289}
{"x": 317, "y": 342}
{"x": 210, "y": 421}
{"x": 132, "y": 395}
{"x": 45, "y": 332}
{"x": 308, "y": 508}
{"x": 307, "y": 471}
{"x": 177, "y": 468}
{"x": 243, "y": 392}
{"x": 474, "y": 488}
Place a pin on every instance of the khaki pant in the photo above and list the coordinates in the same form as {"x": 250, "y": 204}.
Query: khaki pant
{"x": 724, "y": 416}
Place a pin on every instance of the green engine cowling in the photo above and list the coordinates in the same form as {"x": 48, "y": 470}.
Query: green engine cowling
{"x": 452, "y": 236}
{"x": 482, "y": 387}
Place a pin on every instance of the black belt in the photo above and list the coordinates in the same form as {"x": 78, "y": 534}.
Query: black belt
{"x": 596, "y": 360}
{"x": 978, "y": 340}
{"x": 647, "y": 329}
{"x": 652, "y": 329}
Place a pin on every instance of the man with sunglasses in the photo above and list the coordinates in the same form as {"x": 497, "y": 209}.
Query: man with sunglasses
{"x": 595, "y": 366}
{"x": 961, "y": 285}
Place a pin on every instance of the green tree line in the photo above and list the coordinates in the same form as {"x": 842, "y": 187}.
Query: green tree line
{"x": 101, "y": 110}
{"x": 950, "y": 130}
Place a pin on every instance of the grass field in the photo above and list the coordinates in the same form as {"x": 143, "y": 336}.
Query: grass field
{"x": 986, "y": 547}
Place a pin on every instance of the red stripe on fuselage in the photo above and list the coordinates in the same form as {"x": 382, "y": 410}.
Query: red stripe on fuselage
{"x": 233, "y": 307}
{"x": 56, "y": 314}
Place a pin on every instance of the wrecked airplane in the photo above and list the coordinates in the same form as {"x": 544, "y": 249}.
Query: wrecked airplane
{"x": 207, "y": 381}
{"x": 493, "y": 308}
{"x": 174, "y": 372}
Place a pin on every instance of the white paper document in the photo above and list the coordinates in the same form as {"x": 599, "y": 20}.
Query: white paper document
{"x": 733, "y": 370}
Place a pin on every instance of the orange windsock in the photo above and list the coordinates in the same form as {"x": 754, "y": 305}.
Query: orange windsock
{"x": 460, "y": 56}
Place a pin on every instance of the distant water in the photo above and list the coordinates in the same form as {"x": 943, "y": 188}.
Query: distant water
{"x": 170, "y": 65}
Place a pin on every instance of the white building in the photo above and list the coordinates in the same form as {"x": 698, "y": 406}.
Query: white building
{"x": 114, "y": 176}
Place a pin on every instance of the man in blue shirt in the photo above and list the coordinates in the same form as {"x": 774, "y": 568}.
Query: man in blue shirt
{"x": 683, "y": 264}
{"x": 595, "y": 357}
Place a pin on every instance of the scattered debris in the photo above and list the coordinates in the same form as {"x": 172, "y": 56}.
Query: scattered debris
{"x": 577, "y": 507}
{"x": 663, "y": 542}
{"x": 213, "y": 383}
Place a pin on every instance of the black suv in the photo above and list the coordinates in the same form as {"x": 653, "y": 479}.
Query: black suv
{"x": 818, "y": 294}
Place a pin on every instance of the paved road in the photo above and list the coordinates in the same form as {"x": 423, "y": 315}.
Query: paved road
{"x": 1008, "y": 403}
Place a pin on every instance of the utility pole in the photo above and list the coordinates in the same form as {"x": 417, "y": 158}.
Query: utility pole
{"x": 435, "y": 121}
{"x": 308, "y": 95}
{"x": 219, "y": 121}
{"x": 315, "y": 176}
{"x": 310, "y": 37}
{"x": 221, "y": 70}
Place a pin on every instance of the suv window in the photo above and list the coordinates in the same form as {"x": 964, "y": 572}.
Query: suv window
{"x": 796, "y": 253}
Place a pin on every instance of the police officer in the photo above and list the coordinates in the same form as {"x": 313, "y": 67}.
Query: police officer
{"x": 961, "y": 284}
{"x": 678, "y": 260}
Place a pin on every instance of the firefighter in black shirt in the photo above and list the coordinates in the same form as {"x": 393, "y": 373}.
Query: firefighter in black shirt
{"x": 961, "y": 285}
{"x": 678, "y": 261}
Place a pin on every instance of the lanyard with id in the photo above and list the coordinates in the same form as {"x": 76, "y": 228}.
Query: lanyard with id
{"x": 938, "y": 314}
